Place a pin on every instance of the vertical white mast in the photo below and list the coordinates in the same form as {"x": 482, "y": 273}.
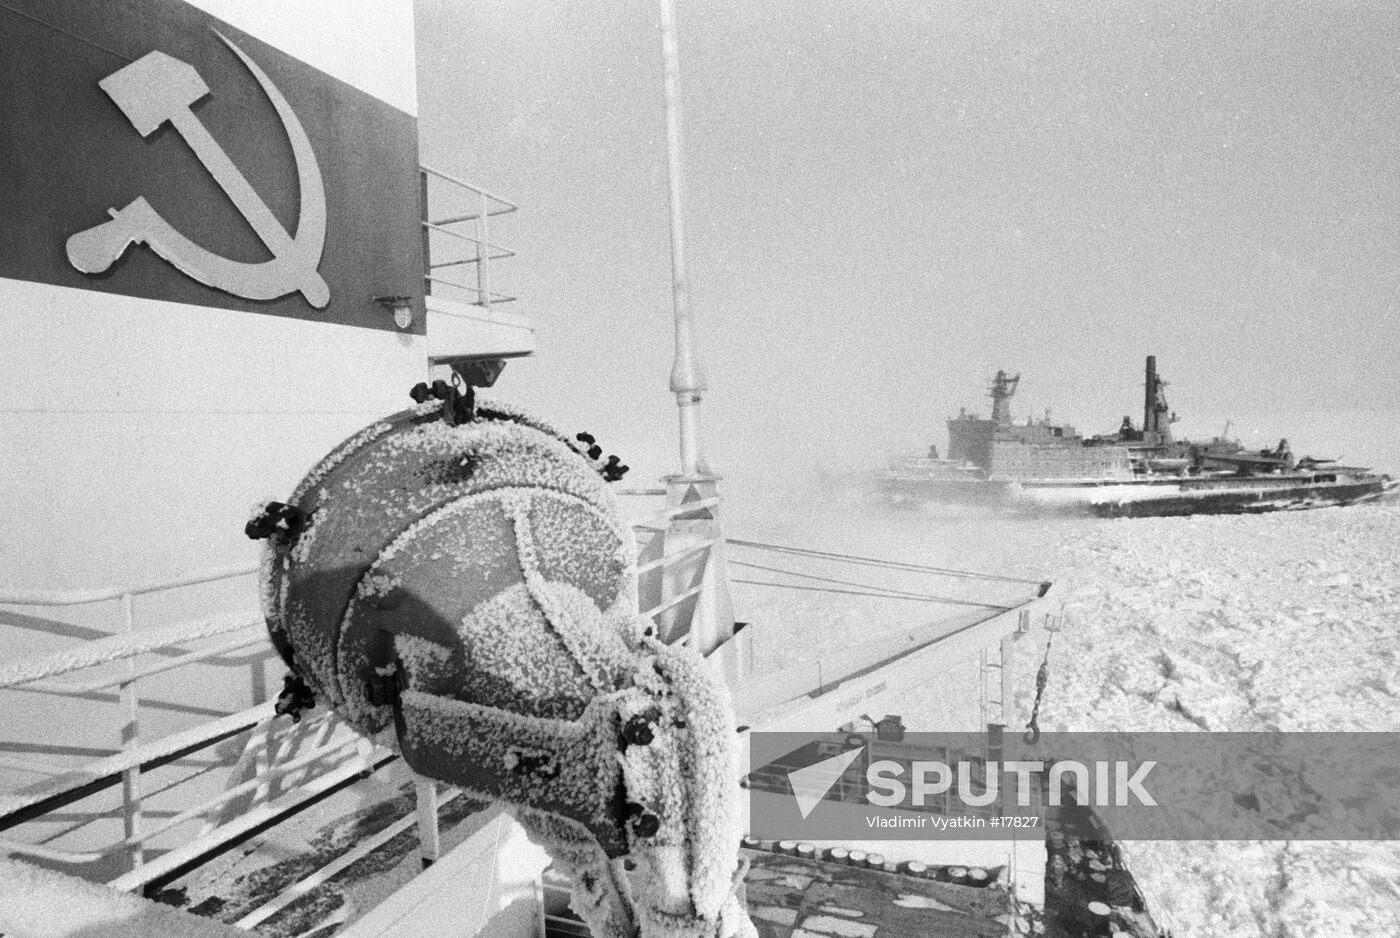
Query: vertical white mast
{"x": 709, "y": 617}
{"x": 687, "y": 377}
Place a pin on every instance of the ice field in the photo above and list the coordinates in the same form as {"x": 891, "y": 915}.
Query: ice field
{"x": 1285, "y": 621}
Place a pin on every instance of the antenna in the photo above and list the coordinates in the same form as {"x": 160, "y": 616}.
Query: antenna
{"x": 687, "y": 377}
{"x": 709, "y": 621}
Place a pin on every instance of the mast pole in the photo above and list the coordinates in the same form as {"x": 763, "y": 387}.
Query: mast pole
{"x": 707, "y": 620}
{"x": 687, "y": 377}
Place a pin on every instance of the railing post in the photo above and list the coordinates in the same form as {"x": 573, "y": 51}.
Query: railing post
{"x": 984, "y": 693}
{"x": 483, "y": 252}
{"x": 1008, "y": 661}
{"x": 427, "y": 232}
{"x": 429, "y": 843}
{"x": 131, "y": 741}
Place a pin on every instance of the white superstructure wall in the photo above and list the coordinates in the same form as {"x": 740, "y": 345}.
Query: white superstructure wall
{"x": 137, "y": 431}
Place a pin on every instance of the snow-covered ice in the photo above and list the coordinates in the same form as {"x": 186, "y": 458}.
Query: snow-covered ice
{"x": 1286, "y": 621}
{"x": 1241, "y": 623}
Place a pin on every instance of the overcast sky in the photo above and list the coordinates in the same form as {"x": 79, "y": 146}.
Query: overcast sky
{"x": 887, "y": 202}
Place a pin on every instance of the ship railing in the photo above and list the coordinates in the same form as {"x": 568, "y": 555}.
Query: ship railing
{"x": 690, "y": 580}
{"x": 281, "y": 766}
{"x": 969, "y": 615}
{"x": 284, "y": 767}
{"x": 457, "y": 232}
{"x": 677, "y": 570}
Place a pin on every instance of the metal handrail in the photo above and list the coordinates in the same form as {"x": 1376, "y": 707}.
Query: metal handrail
{"x": 189, "y": 814}
{"x": 64, "y": 784}
{"x": 438, "y": 227}
{"x": 673, "y": 601}
{"x": 94, "y": 687}
{"x": 471, "y": 260}
{"x": 510, "y": 206}
{"x": 364, "y": 762}
{"x": 487, "y": 207}
{"x": 117, "y": 647}
{"x": 666, "y": 560}
{"x": 110, "y": 767}
{"x": 657, "y": 520}
{"x": 84, "y": 597}
{"x": 495, "y": 297}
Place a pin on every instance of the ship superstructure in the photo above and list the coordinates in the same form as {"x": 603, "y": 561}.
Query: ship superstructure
{"x": 1004, "y": 450}
{"x": 1134, "y": 470}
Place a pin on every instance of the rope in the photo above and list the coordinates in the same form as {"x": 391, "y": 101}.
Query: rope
{"x": 884, "y": 590}
{"x": 875, "y": 562}
{"x": 827, "y": 589}
{"x": 1042, "y": 677}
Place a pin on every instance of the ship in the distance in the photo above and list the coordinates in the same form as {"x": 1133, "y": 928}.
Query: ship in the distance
{"x": 1132, "y": 472}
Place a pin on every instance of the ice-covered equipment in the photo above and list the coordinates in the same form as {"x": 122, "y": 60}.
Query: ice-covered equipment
{"x": 455, "y": 581}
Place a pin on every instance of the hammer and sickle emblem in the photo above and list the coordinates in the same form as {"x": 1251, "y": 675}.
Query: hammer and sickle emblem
{"x": 157, "y": 88}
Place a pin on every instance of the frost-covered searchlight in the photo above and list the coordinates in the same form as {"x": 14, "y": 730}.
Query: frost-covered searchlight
{"x": 455, "y": 581}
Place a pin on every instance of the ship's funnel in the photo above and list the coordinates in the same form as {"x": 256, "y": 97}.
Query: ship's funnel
{"x": 1149, "y": 413}
{"x": 1002, "y": 390}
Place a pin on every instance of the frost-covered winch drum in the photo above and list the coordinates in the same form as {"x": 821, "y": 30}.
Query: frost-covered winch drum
{"x": 455, "y": 581}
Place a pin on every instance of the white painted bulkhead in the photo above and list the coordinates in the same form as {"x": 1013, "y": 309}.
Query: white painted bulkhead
{"x": 138, "y": 434}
